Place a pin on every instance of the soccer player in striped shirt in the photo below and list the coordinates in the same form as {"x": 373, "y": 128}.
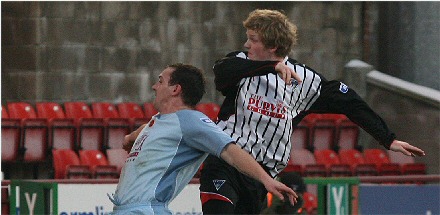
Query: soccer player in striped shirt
{"x": 262, "y": 106}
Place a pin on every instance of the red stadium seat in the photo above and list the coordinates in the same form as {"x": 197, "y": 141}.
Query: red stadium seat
{"x": 306, "y": 159}
{"x": 116, "y": 129}
{"x": 11, "y": 139}
{"x": 149, "y": 110}
{"x": 115, "y": 126}
{"x": 104, "y": 110}
{"x": 209, "y": 109}
{"x": 50, "y": 110}
{"x": 35, "y": 142}
{"x": 330, "y": 159}
{"x": 90, "y": 130}
{"x": 379, "y": 158}
{"x": 356, "y": 160}
{"x": 117, "y": 157}
{"x": 66, "y": 164}
{"x": 62, "y": 131}
{"x": 130, "y": 110}
{"x": 310, "y": 203}
{"x": 347, "y": 134}
{"x": 35, "y": 133}
{"x": 301, "y": 135}
{"x": 91, "y": 133}
{"x": 97, "y": 161}
{"x": 77, "y": 110}
{"x": 5, "y": 114}
{"x": 323, "y": 133}
{"x": 407, "y": 164}
{"x": 134, "y": 112}
{"x": 21, "y": 110}
{"x": 62, "y": 134}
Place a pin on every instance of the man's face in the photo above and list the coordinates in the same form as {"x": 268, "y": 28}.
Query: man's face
{"x": 256, "y": 49}
{"x": 162, "y": 89}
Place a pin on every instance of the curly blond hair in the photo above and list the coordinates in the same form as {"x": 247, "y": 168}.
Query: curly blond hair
{"x": 274, "y": 28}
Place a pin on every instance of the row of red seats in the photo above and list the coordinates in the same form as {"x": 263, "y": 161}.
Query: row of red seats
{"x": 30, "y": 133}
{"x": 351, "y": 162}
{"x": 325, "y": 131}
{"x": 69, "y": 164}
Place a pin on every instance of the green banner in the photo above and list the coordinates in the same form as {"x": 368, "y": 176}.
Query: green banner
{"x": 31, "y": 198}
{"x": 337, "y": 199}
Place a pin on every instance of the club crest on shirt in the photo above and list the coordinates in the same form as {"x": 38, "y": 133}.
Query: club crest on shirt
{"x": 343, "y": 88}
{"x": 218, "y": 183}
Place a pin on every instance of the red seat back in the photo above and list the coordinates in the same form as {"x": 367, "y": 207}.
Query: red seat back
{"x": 352, "y": 157}
{"x": 117, "y": 157}
{"x": 61, "y": 159}
{"x": 347, "y": 134}
{"x": 326, "y": 157}
{"x": 5, "y": 114}
{"x": 301, "y": 135}
{"x": 62, "y": 133}
{"x": 104, "y": 110}
{"x": 310, "y": 203}
{"x": 35, "y": 139}
{"x": 92, "y": 158}
{"x": 77, "y": 110}
{"x": 376, "y": 156}
{"x": 10, "y": 139}
{"x": 49, "y": 110}
{"x": 21, "y": 110}
{"x": 130, "y": 110}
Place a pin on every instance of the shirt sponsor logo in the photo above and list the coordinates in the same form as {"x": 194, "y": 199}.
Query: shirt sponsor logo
{"x": 343, "y": 88}
{"x": 137, "y": 147}
{"x": 258, "y": 105}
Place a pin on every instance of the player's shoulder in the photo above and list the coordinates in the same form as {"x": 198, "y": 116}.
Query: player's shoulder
{"x": 194, "y": 117}
{"x": 242, "y": 54}
{"x": 299, "y": 65}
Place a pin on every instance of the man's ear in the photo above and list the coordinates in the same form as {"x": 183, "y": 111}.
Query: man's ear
{"x": 177, "y": 89}
{"x": 273, "y": 49}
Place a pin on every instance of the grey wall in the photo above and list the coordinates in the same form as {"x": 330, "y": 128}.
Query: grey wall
{"x": 409, "y": 41}
{"x": 113, "y": 51}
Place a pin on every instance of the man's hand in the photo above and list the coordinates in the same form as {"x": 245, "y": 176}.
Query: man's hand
{"x": 406, "y": 148}
{"x": 278, "y": 189}
{"x": 286, "y": 73}
{"x": 127, "y": 143}
{"x": 130, "y": 138}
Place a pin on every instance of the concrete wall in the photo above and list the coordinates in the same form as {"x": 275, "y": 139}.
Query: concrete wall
{"x": 409, "y": 41}
{"x": 114, "y": 51}
{"x": 411, "y": 111}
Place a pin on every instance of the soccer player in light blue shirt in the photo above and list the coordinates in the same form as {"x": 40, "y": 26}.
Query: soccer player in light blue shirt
{"x": 169, "y": 150}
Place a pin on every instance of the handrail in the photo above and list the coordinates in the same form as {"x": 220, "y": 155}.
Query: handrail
{"x": 400, "y": 179}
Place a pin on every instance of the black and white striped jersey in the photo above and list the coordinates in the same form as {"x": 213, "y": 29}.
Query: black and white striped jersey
{"x": 260, "y": 110}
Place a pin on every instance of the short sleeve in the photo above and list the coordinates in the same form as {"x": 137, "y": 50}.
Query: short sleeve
{"x": 202, "y": 133}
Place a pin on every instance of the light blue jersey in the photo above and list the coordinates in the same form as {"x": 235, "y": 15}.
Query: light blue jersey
{"x": 163, "y": 159}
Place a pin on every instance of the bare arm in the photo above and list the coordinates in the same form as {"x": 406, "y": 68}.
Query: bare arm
{"x": 242, "y": 161}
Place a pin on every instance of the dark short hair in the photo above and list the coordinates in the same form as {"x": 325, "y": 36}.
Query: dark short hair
{"x": 192, "y": 81}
